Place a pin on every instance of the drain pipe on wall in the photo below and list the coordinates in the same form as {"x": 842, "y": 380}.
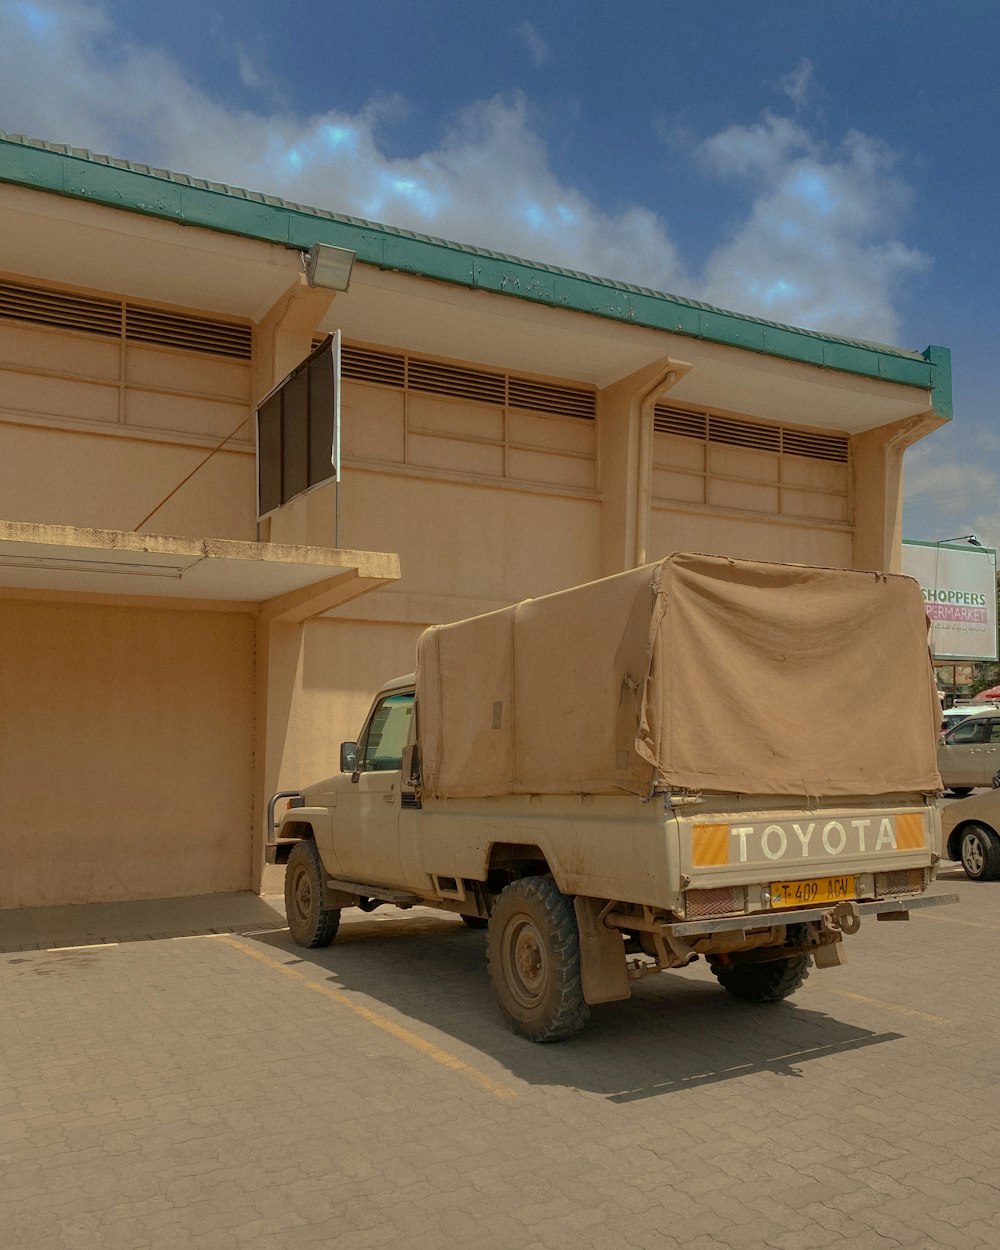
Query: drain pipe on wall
{"x": 642, "y": 406}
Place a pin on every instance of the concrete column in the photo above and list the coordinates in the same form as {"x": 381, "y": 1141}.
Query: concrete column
{"x": 282, "y": 339}
{"x": 877, "y": 480}
{"x": 625, "y": 425}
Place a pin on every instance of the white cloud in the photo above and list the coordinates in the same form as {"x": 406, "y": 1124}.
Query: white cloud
{"x": 950, "y": 488}
{"x": 534, "y": 44}
{"x": 800, "y": 84}
{"x": 818, "y": 247}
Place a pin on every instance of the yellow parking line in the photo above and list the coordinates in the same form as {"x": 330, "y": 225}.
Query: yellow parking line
{"x": 898, "y": 1008}
{"x": 89, "y": 946}
{"x": 420, "y": 1044}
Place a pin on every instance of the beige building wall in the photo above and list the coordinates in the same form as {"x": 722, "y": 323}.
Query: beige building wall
{"x": 109, "y": 404}
{"x": 130, "y": 733}
{"x": 126, "y": 752}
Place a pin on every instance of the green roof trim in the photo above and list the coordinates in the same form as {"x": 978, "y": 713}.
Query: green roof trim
{"x": 80, "y": 174}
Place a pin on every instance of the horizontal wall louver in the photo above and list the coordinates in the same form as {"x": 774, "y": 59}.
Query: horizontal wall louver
{"x": 677, "y": 421}
{"x": 473, "y": 384}
{"x": 192, "y": 334}
{"x": 367, "y": 366}
{"x": 744, "y": 434}
{"x": 815, "y": 446}
{"x": 363, "y": 364}
{"x": 88, "y": 314}
{"x": 60, "y": 308}
{"x": 774, "y": 438}
{"x": 559, "y": 400}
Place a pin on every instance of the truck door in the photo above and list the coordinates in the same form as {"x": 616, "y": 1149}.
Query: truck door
{"x": 369, "y": 851}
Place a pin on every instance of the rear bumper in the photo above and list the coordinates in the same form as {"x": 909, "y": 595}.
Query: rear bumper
{"x": 804, "y": 915}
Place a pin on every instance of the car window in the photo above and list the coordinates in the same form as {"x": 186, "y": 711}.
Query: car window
{"x": 388, "y": 732}
{"x": 994, "y": 731}
{"x": 969, "y": 731}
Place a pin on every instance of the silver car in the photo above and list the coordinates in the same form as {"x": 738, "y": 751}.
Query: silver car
{"x": 969, "y": 754}
{"x": 970, "y": 834}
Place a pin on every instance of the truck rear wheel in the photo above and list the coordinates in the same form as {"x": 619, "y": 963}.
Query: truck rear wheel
{"x": 762, "y": 982}
{"x": 534, "y": 961}
{"x": 308, "y": 922}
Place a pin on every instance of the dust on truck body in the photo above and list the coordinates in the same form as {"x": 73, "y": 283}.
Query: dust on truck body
{"x": 703, "y": 757}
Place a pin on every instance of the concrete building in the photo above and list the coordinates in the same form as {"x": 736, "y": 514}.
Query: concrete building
{"x": 509, "y": 429}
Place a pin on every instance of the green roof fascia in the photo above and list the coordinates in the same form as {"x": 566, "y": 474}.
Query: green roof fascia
{"x": 80, "y": 174}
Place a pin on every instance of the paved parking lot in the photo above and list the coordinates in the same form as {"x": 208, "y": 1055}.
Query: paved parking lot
{"x": 228, "y": 1090}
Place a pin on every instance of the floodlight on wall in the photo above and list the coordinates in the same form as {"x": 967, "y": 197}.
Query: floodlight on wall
{"x": 971, "y": 539}
{"x": 329, "y": 267}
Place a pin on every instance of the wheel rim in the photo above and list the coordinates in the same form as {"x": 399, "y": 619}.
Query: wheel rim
{"x": 301, "y": 895}
{"x": 525, "y": 961}
{"x": 972, "y": 854}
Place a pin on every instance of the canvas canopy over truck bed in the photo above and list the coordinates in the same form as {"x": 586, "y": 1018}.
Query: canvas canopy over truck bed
{"x": 693, "y": 673}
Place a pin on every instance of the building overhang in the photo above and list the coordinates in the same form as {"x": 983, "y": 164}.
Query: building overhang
{"x": 237, "y": 258}
{"x": 276, "y": 581}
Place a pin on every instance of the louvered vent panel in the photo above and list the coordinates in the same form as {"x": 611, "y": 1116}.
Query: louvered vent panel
{"x": 815, "y": 446}
{"x": 483, "y": 388}
{"x": 192, "y": 334}
{"x": 59, "y": 308}
{"x": 557, "y": 400}
{"x": 368, "y": 366}
{"x": 677, "y": 421}
{"x": 744, "y": 434}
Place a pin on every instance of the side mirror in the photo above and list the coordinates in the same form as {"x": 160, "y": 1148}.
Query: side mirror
{"x": 411, "y": 764}
{"x": 348, "y": 757}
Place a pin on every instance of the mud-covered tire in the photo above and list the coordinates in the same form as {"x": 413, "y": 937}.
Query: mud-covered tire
{"x": 979, "y": 849}
{"x": 309, "y": 924}
{"x": 764, "y": 982}
{"x": 534, "y": 961}
{"x": 475, "y": 922}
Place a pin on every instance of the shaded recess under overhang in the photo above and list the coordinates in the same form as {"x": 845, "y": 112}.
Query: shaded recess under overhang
{"x": 277, "y": 581}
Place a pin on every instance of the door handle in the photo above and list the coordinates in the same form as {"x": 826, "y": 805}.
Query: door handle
{"x": 388, "y": 798}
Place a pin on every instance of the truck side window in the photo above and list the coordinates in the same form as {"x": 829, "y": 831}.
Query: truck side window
{"x": 969, "y": 731}
{"x": 388, "y": 732}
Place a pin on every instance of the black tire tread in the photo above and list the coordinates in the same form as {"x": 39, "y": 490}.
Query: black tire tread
{"x": 323, "y": 923}
{"x": 768, "y": 982}
{"x": 567, "y": 1011}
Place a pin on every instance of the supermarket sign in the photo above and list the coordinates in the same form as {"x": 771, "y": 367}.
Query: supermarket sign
{"x": 959, "y": 588}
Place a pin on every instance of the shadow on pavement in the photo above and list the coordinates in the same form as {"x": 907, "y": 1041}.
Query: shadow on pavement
{"x": 678, "y": 1031}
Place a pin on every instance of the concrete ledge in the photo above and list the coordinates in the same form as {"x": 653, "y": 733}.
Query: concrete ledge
{"x": 291, "y": 582}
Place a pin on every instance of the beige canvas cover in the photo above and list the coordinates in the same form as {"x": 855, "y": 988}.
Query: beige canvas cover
{"x": 697, "y": 672}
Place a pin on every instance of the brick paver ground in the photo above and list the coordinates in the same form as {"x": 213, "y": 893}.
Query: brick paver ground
{"x": 229, "y": 1091}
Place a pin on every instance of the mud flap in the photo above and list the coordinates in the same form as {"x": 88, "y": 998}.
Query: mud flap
{"x": 603, "y": 970}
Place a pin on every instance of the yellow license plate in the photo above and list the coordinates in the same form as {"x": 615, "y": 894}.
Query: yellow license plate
{"x": 812, "y": 893}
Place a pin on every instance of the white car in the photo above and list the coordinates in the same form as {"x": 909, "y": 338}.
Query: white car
{"x": 969, "y": 830}
{"x": 953, "y": 716}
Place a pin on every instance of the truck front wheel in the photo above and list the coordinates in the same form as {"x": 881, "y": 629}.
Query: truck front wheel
{"x": 308, "y": 922}
{"x": 761, "y": 982}
{"x": 534, "y": 961}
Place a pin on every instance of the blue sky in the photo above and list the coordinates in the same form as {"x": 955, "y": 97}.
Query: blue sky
{"x": 830, "y": 165}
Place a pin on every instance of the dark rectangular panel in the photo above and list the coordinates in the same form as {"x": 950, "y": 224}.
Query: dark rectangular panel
{"x": 321, "y": 414}
{"x": 295, "y": 435}
{"x": 297, "y": 430}
{"x": 269, "y": 454}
